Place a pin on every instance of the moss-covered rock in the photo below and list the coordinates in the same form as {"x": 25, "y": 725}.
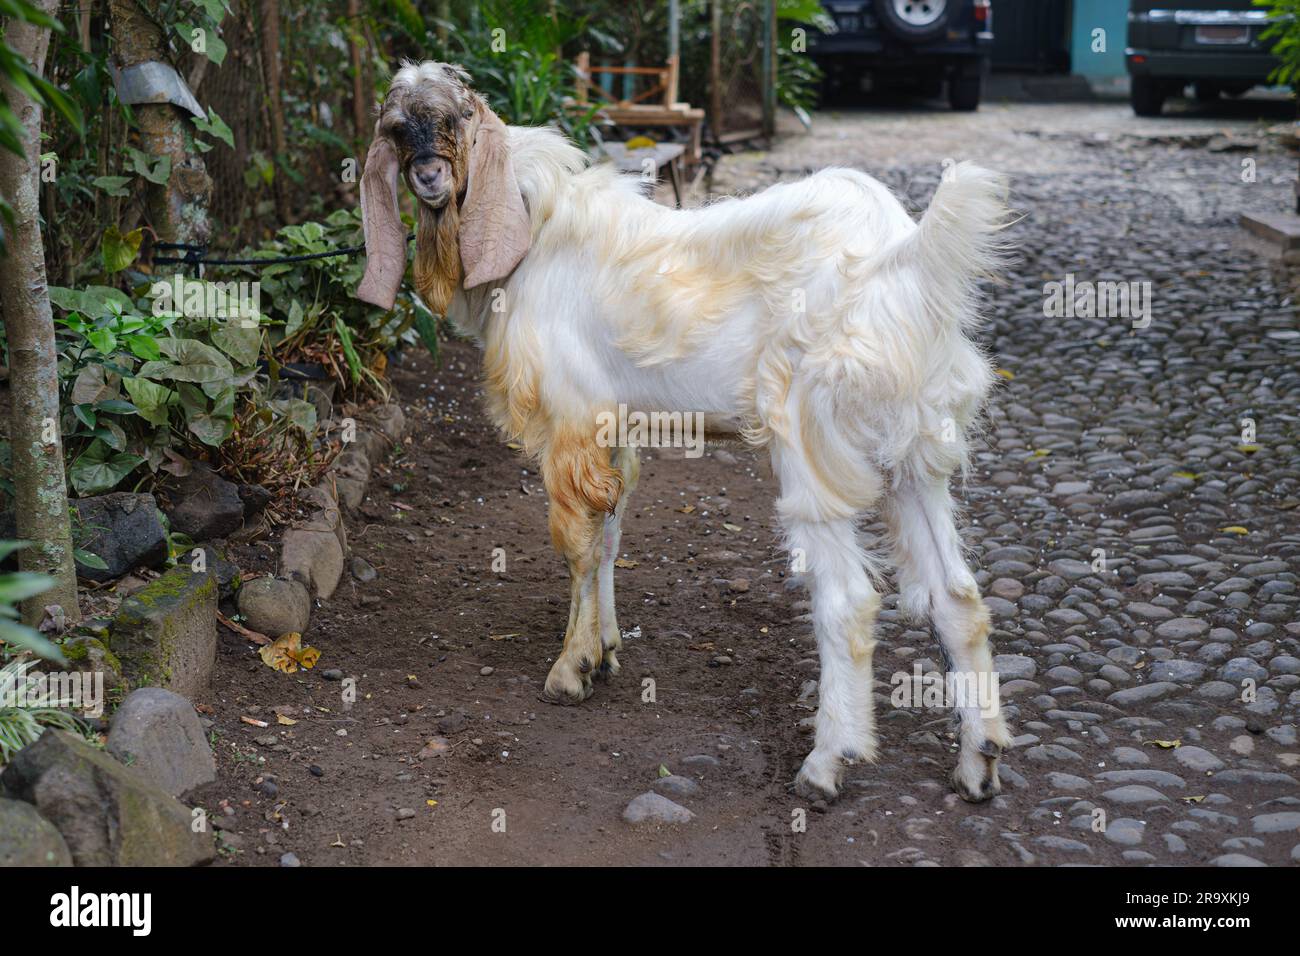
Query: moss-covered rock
{"x": 27, "y": 839}
{"x": 165, "y": 634}
{"x": 86, "y": 648}
{"x": 106, "y": 813}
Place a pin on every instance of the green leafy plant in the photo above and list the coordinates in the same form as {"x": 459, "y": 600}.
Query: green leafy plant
{"x": 510, "y": 48}
{"x": 18, "y": 586}
{"x": 33, "y": 709}
{"x": 313, "y": 315}
{"x": 1284, "y": 31}
{"x": 798, "y": 77}
{"x": 141, "y": 386}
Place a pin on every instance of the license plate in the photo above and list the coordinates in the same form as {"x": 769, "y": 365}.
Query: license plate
{"x": 1223, "y": 35}
{"x": 849, "y": 23}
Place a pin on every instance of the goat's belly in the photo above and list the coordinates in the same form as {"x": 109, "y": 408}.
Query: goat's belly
{"x": 683, "y": 386}
{"x": 713, "y": 376}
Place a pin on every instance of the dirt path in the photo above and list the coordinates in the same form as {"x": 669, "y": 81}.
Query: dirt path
{"x": 718, "y": 638}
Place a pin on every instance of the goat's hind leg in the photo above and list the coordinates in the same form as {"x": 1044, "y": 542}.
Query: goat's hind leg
{"x": 935, "y": 580}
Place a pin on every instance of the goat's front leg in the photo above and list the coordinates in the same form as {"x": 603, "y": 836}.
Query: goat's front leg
{"x": 583, "y": 488}
{"x": 628, "y": 464}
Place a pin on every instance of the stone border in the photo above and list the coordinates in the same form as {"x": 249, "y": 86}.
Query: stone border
{"x": 313, "y": 552}
{"x": 164, "y": 635}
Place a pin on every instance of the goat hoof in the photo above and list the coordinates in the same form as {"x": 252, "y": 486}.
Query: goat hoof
{"x": 818, "y": 779}
{"x": 609, "y": 666}
{"x": 566, "y": 685}
{"x": 975, "y": 778}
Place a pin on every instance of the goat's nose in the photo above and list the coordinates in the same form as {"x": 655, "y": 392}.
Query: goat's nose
{"x": 430, "y": 177}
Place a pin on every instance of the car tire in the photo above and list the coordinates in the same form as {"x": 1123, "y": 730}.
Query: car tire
{"x": 1147, "y": 96}
{"x": 964, "y": 93}
{"x": 915, "y": 20}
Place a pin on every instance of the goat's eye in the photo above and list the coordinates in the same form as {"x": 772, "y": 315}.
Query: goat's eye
{"x": 467, "y": 112}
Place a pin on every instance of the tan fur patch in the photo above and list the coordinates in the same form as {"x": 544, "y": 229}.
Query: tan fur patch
{"x": 979, "y": 623}
{"x": 437, "y": 256}
{"x": 862, "y": 639}
{"x": 511, "y": 377}
{"x": 581, "y": 484}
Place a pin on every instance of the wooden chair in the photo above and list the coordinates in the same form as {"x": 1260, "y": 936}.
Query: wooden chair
{"x": 654, "y": 106}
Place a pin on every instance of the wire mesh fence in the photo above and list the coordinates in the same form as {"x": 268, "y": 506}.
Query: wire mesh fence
{"x": 740, "y": 55}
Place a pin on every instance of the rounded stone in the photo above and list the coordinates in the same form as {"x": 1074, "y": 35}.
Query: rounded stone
{"x": 274, "y": 606}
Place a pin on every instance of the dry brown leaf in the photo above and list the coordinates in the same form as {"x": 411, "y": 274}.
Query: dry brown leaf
{"x": 624, "y": 563}
{"x": 434, "y": 748}
{"x": 287, "y": 654}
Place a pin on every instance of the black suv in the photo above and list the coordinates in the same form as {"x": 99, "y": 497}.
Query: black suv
{"x": 1214, "y": 45}
{"x": 914, "y": 43}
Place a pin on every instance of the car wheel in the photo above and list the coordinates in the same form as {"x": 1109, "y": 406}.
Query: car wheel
{"x": 915, "y": 20}
{"x": 1147, "y": 96}
{"x": 964, "y": 93}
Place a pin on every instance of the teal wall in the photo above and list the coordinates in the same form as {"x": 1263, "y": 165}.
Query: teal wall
{"x": 1089, "y": 15}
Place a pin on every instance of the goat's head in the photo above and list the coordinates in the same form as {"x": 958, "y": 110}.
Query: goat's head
{"x": 439, "y": 135}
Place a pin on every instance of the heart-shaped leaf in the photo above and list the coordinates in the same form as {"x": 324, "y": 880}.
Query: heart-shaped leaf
{"x": 113, "y": 185}
{"x": 190, "y": 361}
{"x": 241, "y": 344}
{"x": 99, "y": 469}
{"x": 120, "y": 249}
{"x": 150, "y": 399}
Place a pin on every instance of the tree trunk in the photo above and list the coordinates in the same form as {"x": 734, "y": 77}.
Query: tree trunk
{"x": 178, "y": 209}
{"x": 40, "y": 490}
{"x": 444, "y": 14}
{"x": 360, "y": 102}
{"x": 275, "y": 100}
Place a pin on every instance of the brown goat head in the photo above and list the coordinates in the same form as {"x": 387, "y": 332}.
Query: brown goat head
{"x": 453, "y": 151}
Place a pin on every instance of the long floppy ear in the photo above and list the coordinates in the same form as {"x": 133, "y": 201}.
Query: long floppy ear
{"x": 495, "y": 231}
{"x": 385, "y": 234}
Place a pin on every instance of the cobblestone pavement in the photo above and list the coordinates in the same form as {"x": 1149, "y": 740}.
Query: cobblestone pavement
{"x": 1133, "y": 510}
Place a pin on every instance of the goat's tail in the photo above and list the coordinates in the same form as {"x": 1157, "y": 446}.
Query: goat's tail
{"x": 959, "y": 239}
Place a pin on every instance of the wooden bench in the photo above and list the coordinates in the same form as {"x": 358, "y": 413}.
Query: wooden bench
{"x": 648, "y": 161}
{"x": 655, "y": 106}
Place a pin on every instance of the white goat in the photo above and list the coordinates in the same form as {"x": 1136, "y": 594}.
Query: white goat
{"x": 815, "y": 319}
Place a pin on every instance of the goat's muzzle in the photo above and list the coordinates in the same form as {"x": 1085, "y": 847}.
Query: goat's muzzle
{"x": 430, "y": 179}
